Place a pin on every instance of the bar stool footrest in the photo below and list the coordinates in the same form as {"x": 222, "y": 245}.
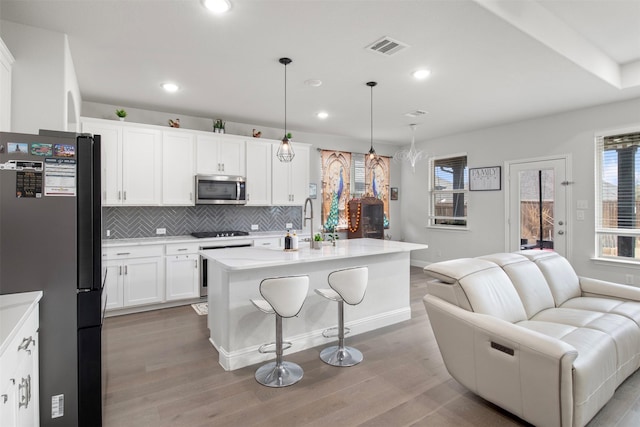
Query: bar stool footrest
{"x": 334, "y": 332}
{"x": 271, "y": 347}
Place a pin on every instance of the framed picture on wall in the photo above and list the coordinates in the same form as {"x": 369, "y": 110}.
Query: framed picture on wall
{"x": 485, "y": 179}
{"x": 394, "y": 193}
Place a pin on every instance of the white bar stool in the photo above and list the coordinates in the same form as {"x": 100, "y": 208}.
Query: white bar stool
{"x": 283, "y": 297}
{"x": 348, "y": 286}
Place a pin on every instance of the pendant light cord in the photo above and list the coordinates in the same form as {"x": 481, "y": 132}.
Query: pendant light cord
{"x": 285, "y": 100}
{"x": 371, "y": 148}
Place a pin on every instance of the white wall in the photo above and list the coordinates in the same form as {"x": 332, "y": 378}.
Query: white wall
{"x": 72, "y": 98}
{"x": 330, "y": 142}
{"x": 38, "y": 89}
{"x": 567, "y": 133}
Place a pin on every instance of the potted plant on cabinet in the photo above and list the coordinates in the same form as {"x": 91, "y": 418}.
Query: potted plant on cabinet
{"x": 121, "y": 113}
{"x": 317, "y": 241}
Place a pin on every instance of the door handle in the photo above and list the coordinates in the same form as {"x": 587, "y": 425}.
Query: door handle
{"x": 560, "y": 232}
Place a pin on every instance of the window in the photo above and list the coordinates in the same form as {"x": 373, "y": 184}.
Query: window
{"x": 618, "y": 195}
{"x": 449, "y": 188}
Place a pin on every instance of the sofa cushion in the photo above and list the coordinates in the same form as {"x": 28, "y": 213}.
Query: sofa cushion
{"x": 628, "y": 309}
{"x": 623, "y": 331}
{"x": 486, "y": 286}
{"x": 528, "y": 280}
{"x": 561, "y": 277}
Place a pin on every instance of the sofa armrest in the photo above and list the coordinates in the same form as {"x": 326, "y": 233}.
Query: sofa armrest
{"x": 526, "y": 372}
{"x": 601, "y": 288}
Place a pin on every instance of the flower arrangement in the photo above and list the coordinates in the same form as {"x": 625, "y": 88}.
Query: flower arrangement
{"x": 121, "y": 113}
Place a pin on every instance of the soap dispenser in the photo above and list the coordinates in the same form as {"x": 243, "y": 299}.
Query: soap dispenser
{"x": 294, "y": 241}
{"x": 287, "y": 241}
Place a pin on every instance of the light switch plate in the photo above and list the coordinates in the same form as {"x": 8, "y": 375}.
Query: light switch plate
{"x": 288, "y": 225}
{"x": 161, "y": 231}
{"x": 582, "y": 204}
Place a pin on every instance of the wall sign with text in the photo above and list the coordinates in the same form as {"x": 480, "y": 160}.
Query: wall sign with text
{"x": 485, "y": 179}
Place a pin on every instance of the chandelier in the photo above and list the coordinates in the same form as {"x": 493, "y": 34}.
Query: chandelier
{"x": 411, "y": 155}
{"x": 285, "y": 151}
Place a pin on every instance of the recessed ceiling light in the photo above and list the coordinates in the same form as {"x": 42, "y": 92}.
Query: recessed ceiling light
{"x": 217, "y": 6}
{"x": 313, "y": 82}
{"x": 421, "y": 74}
{"x": 322, "y": 115}
{"x": 170, "y": 87}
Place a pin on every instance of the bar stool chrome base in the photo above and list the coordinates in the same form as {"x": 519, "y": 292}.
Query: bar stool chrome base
{"x": 272, "y": 375}
{"x": 345, "y": 356}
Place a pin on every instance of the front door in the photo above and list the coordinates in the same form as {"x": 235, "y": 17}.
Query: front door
{"x": 537, "y": 203}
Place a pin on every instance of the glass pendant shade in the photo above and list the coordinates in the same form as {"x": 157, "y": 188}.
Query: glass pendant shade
{"x": 285, "y": 151}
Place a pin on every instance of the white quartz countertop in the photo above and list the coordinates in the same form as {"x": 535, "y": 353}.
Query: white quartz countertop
{"x": 106, "y": 243}
{"x": 14, "y": 311}
{"x": 256, "y": 257}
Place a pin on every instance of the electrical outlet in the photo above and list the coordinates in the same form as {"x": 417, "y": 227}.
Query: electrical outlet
{"x": 580, "y": 215}
{"x": 288, "y": 225}
{"x": 255, "y": 227}
{"x": 108, "y": 233}
{"x": 161, "y": 231}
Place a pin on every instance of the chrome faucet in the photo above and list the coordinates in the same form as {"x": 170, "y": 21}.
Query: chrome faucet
{"x": 310, "y": 217}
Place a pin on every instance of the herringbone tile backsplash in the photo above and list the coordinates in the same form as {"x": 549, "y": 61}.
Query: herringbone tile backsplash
{"x": 134, "y": 222}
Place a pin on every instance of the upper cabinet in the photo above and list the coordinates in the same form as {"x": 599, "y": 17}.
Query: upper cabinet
{"x": 131, "y": 163}
{"x": 220, "y": 155}
{"x": 258, "y": 188}
{"x": 178, "y": 168}
{"x": 290, "y": 181}
{"x": 6, "y": 63}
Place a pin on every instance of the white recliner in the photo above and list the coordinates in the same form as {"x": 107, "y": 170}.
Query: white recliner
{"x": 523, "y": 331}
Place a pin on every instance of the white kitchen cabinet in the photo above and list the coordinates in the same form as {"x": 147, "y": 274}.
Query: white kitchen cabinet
{"x": 290, "y": 181}
{"x": 178, "y": 168}
{"x": 183, "y": 271}
{"x": 131, "y": 161}
{"x": 220, "y": 155}
{"x": 183, "y": 276}
{"x": 135, "y": 275}
{"x": 19, "y": 373}
{"x": 268, "y": 242}
{"x": 258, "y": 186}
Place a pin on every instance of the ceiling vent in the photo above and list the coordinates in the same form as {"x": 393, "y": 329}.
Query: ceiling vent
{"x": 387, "y": 46}
{"x": 416, "y": 113}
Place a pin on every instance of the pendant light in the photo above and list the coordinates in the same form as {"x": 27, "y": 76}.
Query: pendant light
{"x": 372, "y": 152}
{"x": 285, "y": 150}
{"x": 412, "y": 155}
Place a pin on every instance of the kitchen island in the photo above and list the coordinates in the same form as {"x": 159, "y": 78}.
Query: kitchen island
{"x": 237, "y": 328}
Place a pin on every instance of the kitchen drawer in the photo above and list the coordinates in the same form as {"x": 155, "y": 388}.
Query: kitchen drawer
{"x": 182, "y": 249}
{"x": 124, "y": 252}
{"x": 267, "y": 242}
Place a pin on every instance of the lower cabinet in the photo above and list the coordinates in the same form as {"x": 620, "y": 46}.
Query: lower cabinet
{"x": 135, "y": 276}
{"x": 183, "y": 276}
{"x": 19, "y": 379}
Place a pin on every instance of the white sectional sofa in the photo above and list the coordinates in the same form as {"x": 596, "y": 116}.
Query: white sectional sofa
{"x": 523, "y": 331}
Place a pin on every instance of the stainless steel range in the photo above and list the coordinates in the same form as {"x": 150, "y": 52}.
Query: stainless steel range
{"x": 221, "y": 241}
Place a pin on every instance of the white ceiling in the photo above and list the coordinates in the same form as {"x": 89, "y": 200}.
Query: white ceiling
{"x": 492, "y": 61}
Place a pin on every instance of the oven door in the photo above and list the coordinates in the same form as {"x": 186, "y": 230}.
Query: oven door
{"x": 203, "y": 260}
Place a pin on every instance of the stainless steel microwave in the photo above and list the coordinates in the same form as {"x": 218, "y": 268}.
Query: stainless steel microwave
{"x": 220, "y": 190}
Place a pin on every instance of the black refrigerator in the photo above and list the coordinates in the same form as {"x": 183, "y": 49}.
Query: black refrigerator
{"x": 50, "y": 240}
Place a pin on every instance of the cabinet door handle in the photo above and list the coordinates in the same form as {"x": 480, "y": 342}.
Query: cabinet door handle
{"x": 123, "y": 253}
{"x": 120, "y": 270}
{"x": 4, "y": 397}
{"x": 25, "y": 386}
{"x": 195, "y": 262}
{"x": 223, "y": 167}
{"x": 190, "y": 196}
{"x": 26, "y": 342}
{"x": 125, "y": 194}
{"x": 182, "y": 249}
{"x": 119, "y": 195}
{"x": 126, "y": 270}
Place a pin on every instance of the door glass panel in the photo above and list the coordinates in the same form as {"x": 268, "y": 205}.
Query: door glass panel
{"x": 536, "y": 198}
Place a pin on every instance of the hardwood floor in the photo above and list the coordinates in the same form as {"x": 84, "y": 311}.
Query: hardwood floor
{"x": 162, "y": 371}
